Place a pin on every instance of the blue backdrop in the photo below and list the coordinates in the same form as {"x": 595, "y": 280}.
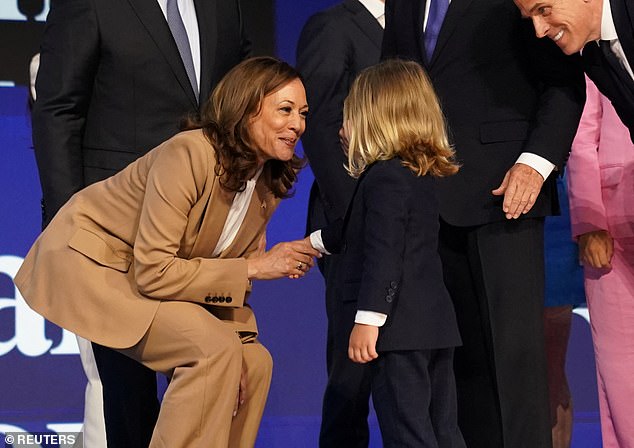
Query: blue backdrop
{"x": 41, "y": 380}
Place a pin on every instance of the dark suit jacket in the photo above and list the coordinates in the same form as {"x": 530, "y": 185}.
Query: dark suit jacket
{"x": 334, "y": 46}
{"x": 390, "y": 262}
{"x": 503, "y": 92}
{"x": 607, "y": 73}
{"x": 112, "y": 86}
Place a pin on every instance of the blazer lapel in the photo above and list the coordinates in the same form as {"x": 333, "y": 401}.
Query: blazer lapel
{"x": 418, "y": 16}
{"x": 346, "y": 218}
{"x": 214, "y": 214}
{"x": 454, "y": 14}
{"x": 150, "y": 14}
{"x": 365, "y": 21}
{"x": 620, "y": 15}
{"x": 260, "y": 210}
{"x": 612, "y": 63}
{"x": 208, "y": 30}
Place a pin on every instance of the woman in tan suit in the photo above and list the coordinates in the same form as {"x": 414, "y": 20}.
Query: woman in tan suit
{"x": 157, "y": 261}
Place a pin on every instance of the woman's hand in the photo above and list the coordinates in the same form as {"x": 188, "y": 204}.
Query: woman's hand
{"x": 596, "y": 249}
{"x": 290, "y": 259}
{"x": 242, "y": 391}
{"x": 362, "y": 345}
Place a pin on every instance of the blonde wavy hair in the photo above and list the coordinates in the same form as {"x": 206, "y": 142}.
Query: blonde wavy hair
{"x": 392, "y": 111}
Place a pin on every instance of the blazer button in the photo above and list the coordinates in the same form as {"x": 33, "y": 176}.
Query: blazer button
{"x": 214, "y": 299}
{"x": 229, "y": 299}
{"x": 393, "y": 284}
{"x": 221, "y": 299}
{"x": 389, "y": 299}
{"x": 207, "y": 299}
{"x": 390, "y": 291}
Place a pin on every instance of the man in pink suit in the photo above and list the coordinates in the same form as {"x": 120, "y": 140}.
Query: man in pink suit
{"x": 600, "y": 180}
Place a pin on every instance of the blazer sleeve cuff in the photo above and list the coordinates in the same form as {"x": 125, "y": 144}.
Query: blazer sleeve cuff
{"x": 538, "y": 163}
{"x": 318, "y": 243}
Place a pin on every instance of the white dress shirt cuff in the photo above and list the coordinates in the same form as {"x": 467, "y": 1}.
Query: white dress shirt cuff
{"x": 317, "y": 242}
{"x": 370, "y": 318}
{"x": 538, "y": 163}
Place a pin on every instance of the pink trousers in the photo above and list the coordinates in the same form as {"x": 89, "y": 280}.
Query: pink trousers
{"x": 610, "y": 297}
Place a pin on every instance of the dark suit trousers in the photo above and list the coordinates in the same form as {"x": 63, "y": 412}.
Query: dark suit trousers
{"x": 414, "y": 395}
{"x": 130, "y": 415}
{"x": 344, "y": 422}
{"x": 495, "y": 275}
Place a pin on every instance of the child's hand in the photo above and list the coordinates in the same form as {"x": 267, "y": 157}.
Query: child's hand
{"x": 362, "y": 346}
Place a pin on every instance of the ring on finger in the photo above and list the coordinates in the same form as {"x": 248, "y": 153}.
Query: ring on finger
{"x": 300, "y": 265}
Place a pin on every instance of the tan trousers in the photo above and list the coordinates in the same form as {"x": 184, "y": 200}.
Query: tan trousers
{"x": 203, "y": 356}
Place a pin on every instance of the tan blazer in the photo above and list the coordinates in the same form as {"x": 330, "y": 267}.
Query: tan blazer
{"x": 120, "y": 246}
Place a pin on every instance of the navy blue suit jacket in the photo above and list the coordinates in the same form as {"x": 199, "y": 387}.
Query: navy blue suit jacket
{"x": 334, "y": 46}
{"x": 503, "y": 92}
{"x": 112, "y": 86}
{"x": 390, "y": 263}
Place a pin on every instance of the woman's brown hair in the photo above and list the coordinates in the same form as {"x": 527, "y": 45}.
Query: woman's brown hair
{"x": 225, "y": 121}
{"x": 392, "y": 111}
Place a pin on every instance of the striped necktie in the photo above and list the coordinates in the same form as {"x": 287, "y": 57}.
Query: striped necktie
{"x": 175, "y": 23}
{"x": 437, "y": 12}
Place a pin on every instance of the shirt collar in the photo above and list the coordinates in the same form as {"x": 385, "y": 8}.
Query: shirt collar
{"x": 608, "y": 29}
{"x": 257, "y": 174}
{"x": 376, "y": 7}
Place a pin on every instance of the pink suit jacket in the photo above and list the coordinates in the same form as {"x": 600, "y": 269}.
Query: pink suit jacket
{"x": 601, "y": 172}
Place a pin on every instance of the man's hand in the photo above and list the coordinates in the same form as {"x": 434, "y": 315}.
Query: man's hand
{"x": 596, "y": 249}
{"x": 362, "y": 345}
{"x": 521, "y": 186}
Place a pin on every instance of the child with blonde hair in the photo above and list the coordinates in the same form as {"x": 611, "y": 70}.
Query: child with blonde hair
{"x": 395, "y": 313}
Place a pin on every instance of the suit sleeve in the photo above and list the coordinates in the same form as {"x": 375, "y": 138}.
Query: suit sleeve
{"x": 385, "y": 201}
{"x": 323, "y": 59}
{"x": 68, "y": 63}
{"x": 587, "y": 211}
{"x": 332, "y": 236}
{"x": 174, "y": 184}
{"x": 560, "y": 100}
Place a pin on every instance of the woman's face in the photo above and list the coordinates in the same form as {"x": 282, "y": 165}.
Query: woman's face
{"x": 280, "y": 123}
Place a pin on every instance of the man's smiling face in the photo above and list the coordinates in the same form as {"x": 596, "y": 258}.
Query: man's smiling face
{"x": 569, "y": 23}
